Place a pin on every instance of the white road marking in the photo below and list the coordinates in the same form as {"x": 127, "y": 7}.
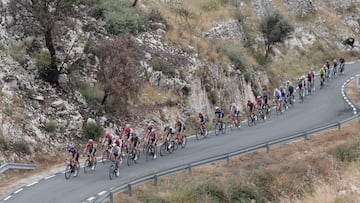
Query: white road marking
{"x": 49, "y": 177}
{"x": 19, "y": 190}
{"x": 101, "y": 193}
{"x": 90, "y": 198}
{"x": 8, "y": 197}
{"x": 32, "y": 184}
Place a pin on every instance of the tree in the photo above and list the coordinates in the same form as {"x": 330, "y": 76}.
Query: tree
{"x": 275, "y": 29}
{"x": 120, "y": 68}
{"x": 43, "y": 18}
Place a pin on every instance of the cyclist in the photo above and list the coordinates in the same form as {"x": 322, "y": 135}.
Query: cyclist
{"x": 342, "y": 64}
{"x": 108, "y": 139}
{"x": 219, "y": 115}
{"x": 236, "y": 114}
{"x": 283, "y": 96}
{"x": 130, "y": 137}
{"x": 322, "y": 75}
{"x": 202, "y": 122}
{"x": 327, "y": 69}
{"x": 251, "y": 107}
{"x": 334, "y": 65}
{"x": 152, "y": 139}
{"x": 116, "y": 154}
{"x": 266, "y": 97}
{"x": 74, "y": 156}
{"x": 90, "y": 150}
{"x": 290, "y": 88}
{"x": 168, "y": 133}
{"x": 180, "y": 130}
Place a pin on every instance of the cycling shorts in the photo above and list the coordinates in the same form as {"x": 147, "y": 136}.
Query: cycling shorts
{"x": 91, "y": 149}
{"x": 236, "y": 113}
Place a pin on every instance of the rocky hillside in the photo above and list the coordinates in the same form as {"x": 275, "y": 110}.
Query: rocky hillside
{"x": 194, "y": 56}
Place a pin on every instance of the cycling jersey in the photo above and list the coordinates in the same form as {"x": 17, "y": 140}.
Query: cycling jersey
{"x": 219, "y": 113}
{"x": 181, "y": 127}
{"x": 251, "y": 106}
{"x": 202, "y": 119}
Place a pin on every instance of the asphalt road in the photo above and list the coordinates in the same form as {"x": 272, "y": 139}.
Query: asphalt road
{"x": 325, "y": 106}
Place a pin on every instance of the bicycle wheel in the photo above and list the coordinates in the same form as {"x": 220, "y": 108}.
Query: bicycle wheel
{"x": 112, "y": 171}
{"x": 174, "y": 145}
{"x": 223, "y": 129}
{"x": 129, "y": 158}
{"x": 217, "y": 129}
{"x": 163, "y": 149}
{"x": 68, "y": 171}
{"x": 249, "y": 121}
{"x": 87, "y": 165}
{"x": 149, "y": 152}
{"x": 184, "y": 141}
{"x": 105, "y": 156}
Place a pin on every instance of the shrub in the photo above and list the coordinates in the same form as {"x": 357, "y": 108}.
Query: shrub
{"x": 156, "y": 16}
{"x": 3, "y": 144}
{"x": 120, "y": 17}
{"x": 43, "y": 61}
{"x": 243, "y": 194}
{"x": 17, "y": 52}
{"x": 90, "y": 47}
{"x": 347, "y": 152}
{"x": 214, "y": 97}
{"x": 165, "y": 67}
{"x": 50, "y": 126}
{"x": 21, "y": 147}
{"x": 8, "y": 111}
{"x": 93, "y": 130}
{"x": 235, "y": 53}
{"x": 211, "y": 5}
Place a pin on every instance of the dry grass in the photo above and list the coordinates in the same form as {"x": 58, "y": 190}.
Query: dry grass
{"x": 150, "y": 95}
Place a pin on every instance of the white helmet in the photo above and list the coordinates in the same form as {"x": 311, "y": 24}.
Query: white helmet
{"x": 217, "y": 108}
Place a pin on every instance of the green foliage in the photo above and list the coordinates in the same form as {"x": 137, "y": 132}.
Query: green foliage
{"x": 165, "y": 67}
{"x": 235, "y": 53}
{"x": 50, "y": 126}
{"x": 275, "y": 29}
{"x": 214, "y": 97}
{"x": 20, "y": 147}
{"x": 43, "y": 61}
{"x": 347, "y": 152}
{"x": 119, "y": 15}
{"x": 3, "y": 144}
{"x": 92, "y": 94}
{"x": 93, "y": 130}
{"x": 243, "y": 194}
{"x": 208, "y": 188}
{"x": 8, "y": 111}
{"x": 90, "y": 47}
{"x": 211, "y": 5}
{"x": 18, "y": 51}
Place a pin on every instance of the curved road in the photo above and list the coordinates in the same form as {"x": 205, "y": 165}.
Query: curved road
{"x": 325, "y": 106}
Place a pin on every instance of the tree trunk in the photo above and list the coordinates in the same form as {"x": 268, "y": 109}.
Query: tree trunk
{"x": 53, "y": 74}
{"x": 135, "y": 2}
{"x": 106, "y": 95}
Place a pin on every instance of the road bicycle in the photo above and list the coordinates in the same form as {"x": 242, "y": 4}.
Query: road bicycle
{"x": 301, "y": 96}
{"x": 106, "y": 155}
{"x": 322, "y": 82}
{"x": 261, "y": 116}
{"x": 70, "y": 169}
{"x": 202, "y": 132}
{"x": 181, "y": 141}
{"x": 113, "y": 170}
{"x": 267, "y": 109}
{"x": 252, "y": 118}
{"x": 279, "y": 107}
{"x": 342, "y": 68}
{"x": 236, "y": 123}
{"x": 89, "y": 165}
{"x": 291, "y": 100}
{"x": 220, "y": 127}
{"x": 132, "y": 156}
{"x": 150, "y": 151}
{"x": 167, "y": 147}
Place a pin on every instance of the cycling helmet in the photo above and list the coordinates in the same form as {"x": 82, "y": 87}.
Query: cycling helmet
{"x": 258, "y": 97}
{"x": 127, "y": 125}
{"x": 334, "y": 60}
{"x": 200, "y": 113}
{"x": 149, "y": 124}
{"x": 153, "y": 130}
{"x": 91, "y": 141}
{"x": 177, "y": 120}
{"x": 249, "y": 101}
{"x": 71, "y": 148}
{"x": 117, "y": 142}
{"x": 217, "y": 108}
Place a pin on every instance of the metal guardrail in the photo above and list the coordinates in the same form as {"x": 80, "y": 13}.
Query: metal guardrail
{"x": 5, "y": 167}
{"x": 128, "y": 186}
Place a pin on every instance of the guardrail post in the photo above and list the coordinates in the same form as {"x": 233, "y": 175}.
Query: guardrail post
{"x": 228, "y": 160}
{"x": 306, "y": 136}
{"x": 190, "y": 172}
{"x": 111, "y": 197}
{"x": 7, "y": 174}
{"x": 267, "y": 148}
{"x": 339, "y": 126}
{"x": 155, "y": 179}
{"x": 129, "y": 189}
